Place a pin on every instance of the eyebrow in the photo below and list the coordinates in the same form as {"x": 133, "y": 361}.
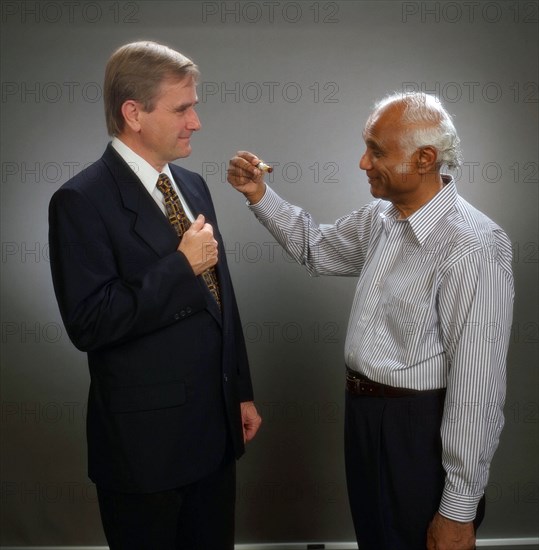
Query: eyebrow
{"x": 185, "y": 106}
{"x": 369, "y": 142}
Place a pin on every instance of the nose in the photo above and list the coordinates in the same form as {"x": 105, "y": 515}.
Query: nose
{"x": 193, "y": 122}
{"x": 365, "y": 162}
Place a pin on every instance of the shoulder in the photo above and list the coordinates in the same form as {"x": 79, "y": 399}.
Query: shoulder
{"x": 475, "y": 234}
{"x": 96, "y": 182}
{"x": 88, "y": 181}
{"x": 109, "y": 167}
{"x": 476, "y": 225}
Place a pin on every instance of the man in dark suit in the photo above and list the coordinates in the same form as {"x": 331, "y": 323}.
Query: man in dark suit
{"x": 134, "y": 267}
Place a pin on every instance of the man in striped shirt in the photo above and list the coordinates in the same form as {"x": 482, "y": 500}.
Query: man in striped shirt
{"x": 428, "y": 333}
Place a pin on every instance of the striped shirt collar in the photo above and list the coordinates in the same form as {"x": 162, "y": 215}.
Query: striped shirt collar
{"x": 423, "y": 221}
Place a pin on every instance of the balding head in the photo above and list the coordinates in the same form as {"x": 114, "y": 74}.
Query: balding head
{"x": 421, "y": 121}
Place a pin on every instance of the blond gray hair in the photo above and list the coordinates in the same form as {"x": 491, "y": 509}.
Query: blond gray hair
{"x": 135, "y": 71}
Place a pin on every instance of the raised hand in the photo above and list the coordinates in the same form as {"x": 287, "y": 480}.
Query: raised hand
{"x": 244, "y": 176}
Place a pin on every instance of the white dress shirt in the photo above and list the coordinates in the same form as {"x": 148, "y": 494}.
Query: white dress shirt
{"x": 148, "y": 175}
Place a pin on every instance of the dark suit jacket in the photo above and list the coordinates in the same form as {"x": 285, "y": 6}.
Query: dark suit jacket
{"x": 168, "y": 370}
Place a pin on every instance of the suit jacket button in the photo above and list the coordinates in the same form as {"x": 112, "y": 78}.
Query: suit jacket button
{"x": 188, "y": 309}
{"x": 225, "y": 377}
{"x": 176, "y": 316}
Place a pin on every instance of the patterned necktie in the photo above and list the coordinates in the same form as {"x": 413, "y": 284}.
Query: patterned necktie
{"x": 181, "y": 223}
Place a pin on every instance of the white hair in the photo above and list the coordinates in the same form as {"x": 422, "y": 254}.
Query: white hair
{"x": 430, "y": 125}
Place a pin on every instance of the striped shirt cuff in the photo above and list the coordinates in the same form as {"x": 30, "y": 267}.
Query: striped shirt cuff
{"x": 459, "y": 507}
{"x": 267, "y": 206}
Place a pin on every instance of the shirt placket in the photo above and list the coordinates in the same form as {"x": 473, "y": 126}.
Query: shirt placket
{"x": 368, "y": 326}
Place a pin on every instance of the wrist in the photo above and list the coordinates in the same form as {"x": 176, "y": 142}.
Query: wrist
{"x": 447, "y": 520}
{"x": 257, "y": 195}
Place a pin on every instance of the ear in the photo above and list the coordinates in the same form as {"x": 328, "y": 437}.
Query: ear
{"x": 427, "y": 160}
{"x": 131, "y": 110}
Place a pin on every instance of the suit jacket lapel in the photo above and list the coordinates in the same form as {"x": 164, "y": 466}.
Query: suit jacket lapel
{"x": 150, "y": 223}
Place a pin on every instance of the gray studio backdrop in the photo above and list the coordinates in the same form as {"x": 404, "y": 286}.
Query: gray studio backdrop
{"x": 294, "y": 82}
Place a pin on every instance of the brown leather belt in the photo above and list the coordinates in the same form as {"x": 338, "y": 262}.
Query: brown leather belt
{"x": 357, "y": 384}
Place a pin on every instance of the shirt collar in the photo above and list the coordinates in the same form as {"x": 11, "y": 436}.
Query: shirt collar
{"x": 143, "y": 169}
{"x": 423, "y": 221}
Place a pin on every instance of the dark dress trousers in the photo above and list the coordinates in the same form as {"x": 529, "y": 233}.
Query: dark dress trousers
{"x": 168, "y": 368}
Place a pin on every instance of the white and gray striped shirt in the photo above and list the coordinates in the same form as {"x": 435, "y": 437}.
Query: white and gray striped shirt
{"x": 432, "y": 309}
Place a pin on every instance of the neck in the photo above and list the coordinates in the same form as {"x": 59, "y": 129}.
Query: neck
{"x": 134, "y": 145}
{"x": 409, "y": 205}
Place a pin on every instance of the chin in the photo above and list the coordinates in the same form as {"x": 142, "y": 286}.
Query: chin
{"x": 185, "y": 152}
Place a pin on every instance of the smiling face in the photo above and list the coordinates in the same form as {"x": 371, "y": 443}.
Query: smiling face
{"x": 390, "y": 167}
{"x": 405, "y": 176}
{"x": 163, "y": 135}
